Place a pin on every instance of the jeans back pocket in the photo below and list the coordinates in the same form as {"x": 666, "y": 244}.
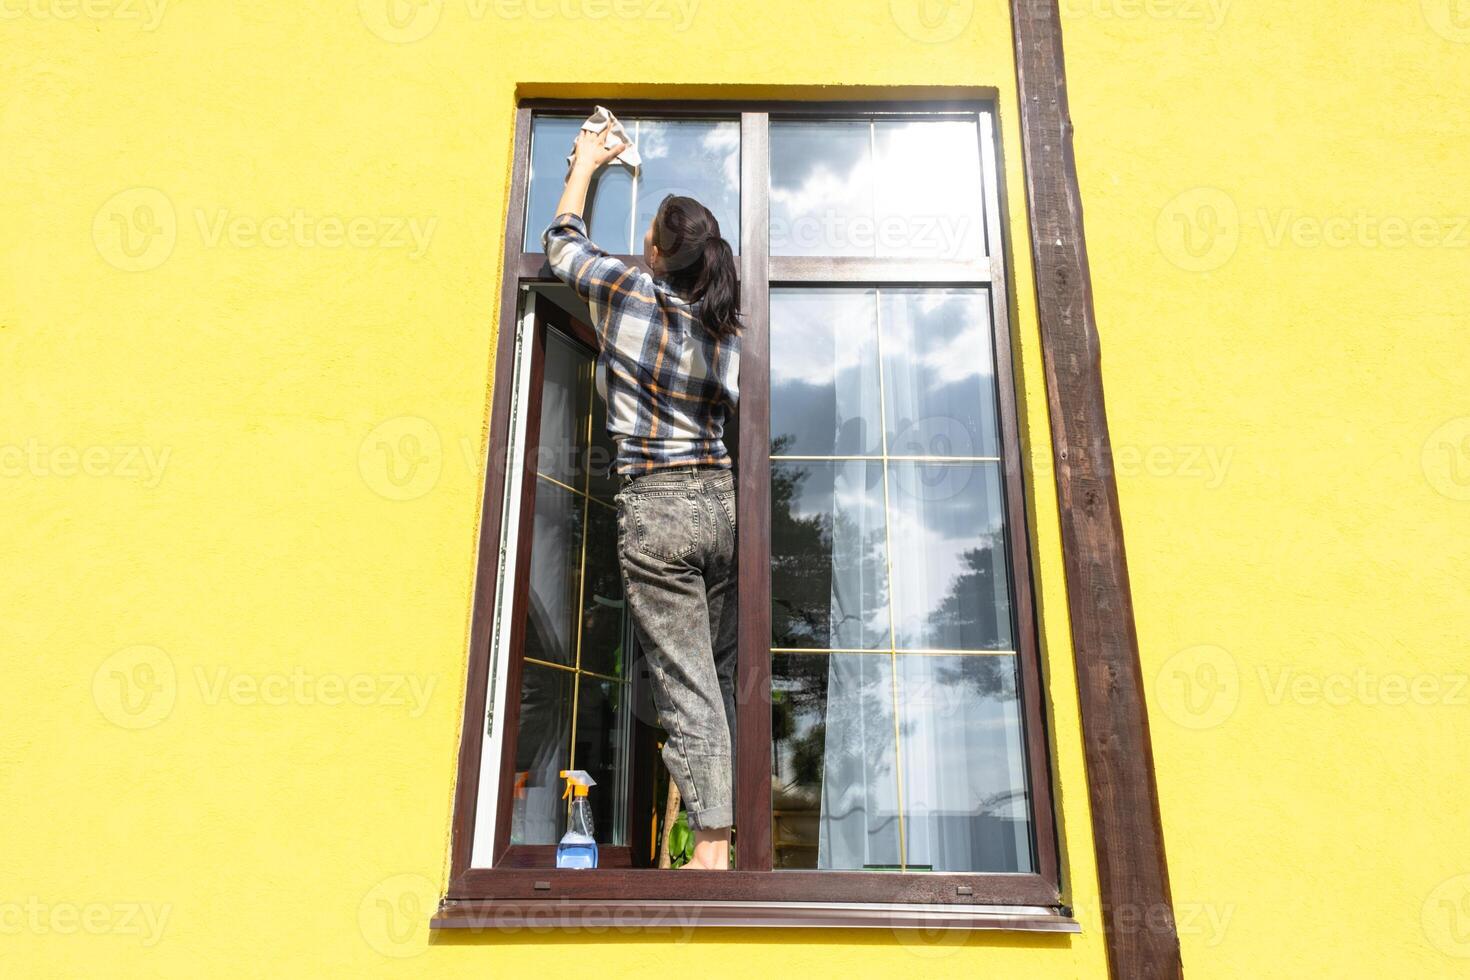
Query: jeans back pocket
{"x": 665, "y": 523}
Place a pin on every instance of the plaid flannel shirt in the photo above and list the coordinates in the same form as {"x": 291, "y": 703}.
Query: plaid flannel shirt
{"x": 668, "y": 382}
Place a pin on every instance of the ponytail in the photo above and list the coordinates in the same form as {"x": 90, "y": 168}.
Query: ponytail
{"x": 697, "y": 262}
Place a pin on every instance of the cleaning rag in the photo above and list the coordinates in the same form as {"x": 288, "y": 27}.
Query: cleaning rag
{"x": 603, "y": 121}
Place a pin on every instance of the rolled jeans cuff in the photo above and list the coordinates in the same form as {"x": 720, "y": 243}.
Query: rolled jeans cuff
{"x": 712, "y": 818}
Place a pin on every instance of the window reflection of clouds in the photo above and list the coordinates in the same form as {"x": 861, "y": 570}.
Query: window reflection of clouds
{"x": 883, "y": 188}
{"x": 950, "y": 589}
{"x": 824, "y": 373}
{"x": 695, "y": 157}
{"x": 938, "y": 372}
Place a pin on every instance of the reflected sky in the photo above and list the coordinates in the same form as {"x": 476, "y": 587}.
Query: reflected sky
{"x": 693, "y": 157}
{"x": 889, "y": 188}
{"x": 824, "y": 372}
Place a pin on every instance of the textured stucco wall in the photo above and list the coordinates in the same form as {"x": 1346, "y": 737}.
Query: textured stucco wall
{"x": 1278, "y": 220}
{"x": 247, "y": 303}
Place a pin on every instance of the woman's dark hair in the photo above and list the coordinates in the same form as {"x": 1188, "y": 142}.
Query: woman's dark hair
{"x": 697, "y": 262}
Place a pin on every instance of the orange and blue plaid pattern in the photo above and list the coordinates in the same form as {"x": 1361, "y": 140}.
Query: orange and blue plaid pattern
{"x": 668, "y": 382}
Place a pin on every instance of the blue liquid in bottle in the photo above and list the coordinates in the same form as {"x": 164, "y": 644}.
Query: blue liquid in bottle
{"x": 576, "y": 854}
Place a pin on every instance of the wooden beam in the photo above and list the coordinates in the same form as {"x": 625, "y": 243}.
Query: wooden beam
{"x": 1133, "y": 877}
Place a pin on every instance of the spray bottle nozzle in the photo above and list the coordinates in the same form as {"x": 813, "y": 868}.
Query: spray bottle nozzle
{"x": 578, "y": 780}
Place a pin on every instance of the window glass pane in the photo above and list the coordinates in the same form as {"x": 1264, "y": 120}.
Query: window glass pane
{"x": 556, "y": 549}
{"x": 602, "y": 741}
{"x": 888, "y": 188}
{"x": 542, "y": 743}
{"x": 964, "y": 777}
{"x": 575, "y": 710}
{"x": 950, "y": 588}
{"x": 603, "y": 613}
{"x": 938, "y": 372}
{"x": 927, "y": 186}
{"x": 551, "y": 141}
{"x": 907, "y": 757}
{"x": 604, "y": 483}
{"x": 699, "y": 158}
{"x": 692, "y": 158}
{"x": 821, "y": 188}
{"x": 824, "y": 373}
{"x": 566, "y": 397}
{"x": 828, "y": 588}
{"x": 834, "y": 781}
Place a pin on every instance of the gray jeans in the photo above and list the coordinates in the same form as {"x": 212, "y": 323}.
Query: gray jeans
{"x": 676, "y": 548}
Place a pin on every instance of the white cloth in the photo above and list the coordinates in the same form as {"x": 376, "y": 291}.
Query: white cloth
{"x": 603, "y": 121}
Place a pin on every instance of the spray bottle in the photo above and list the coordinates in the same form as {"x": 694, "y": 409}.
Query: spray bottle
{"x": 577, "y": 848}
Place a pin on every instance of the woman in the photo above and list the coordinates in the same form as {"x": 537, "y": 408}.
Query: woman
{"x": 668, "y": 366}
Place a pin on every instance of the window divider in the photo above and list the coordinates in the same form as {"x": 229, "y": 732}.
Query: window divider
{"x": 753, "y": 851}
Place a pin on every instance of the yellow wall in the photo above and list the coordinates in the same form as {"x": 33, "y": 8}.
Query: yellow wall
{"x": 240, "y": 463}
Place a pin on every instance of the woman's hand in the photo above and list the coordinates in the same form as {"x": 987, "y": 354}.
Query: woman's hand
{"x": 588, "y": 154}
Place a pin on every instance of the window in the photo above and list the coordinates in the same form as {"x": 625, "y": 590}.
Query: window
{"x": 890, "y": 752}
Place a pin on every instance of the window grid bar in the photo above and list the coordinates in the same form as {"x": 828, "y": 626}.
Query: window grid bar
{"x": 888, "y": 456}
{"x": 571, "y": 489}
{"x": 633, "y": 203}
{"x": 888, "y": 562}
{"x": 921, "y": 651}
{"x": 574, "y": 670}
{"x": 581, "y": 581}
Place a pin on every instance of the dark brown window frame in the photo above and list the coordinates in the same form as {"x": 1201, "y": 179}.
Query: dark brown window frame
{"x": 514, "y": 890}
{"x": 1133, "y": 880}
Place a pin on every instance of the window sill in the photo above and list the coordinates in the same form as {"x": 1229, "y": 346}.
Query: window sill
{"x": 627, "y": 915}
